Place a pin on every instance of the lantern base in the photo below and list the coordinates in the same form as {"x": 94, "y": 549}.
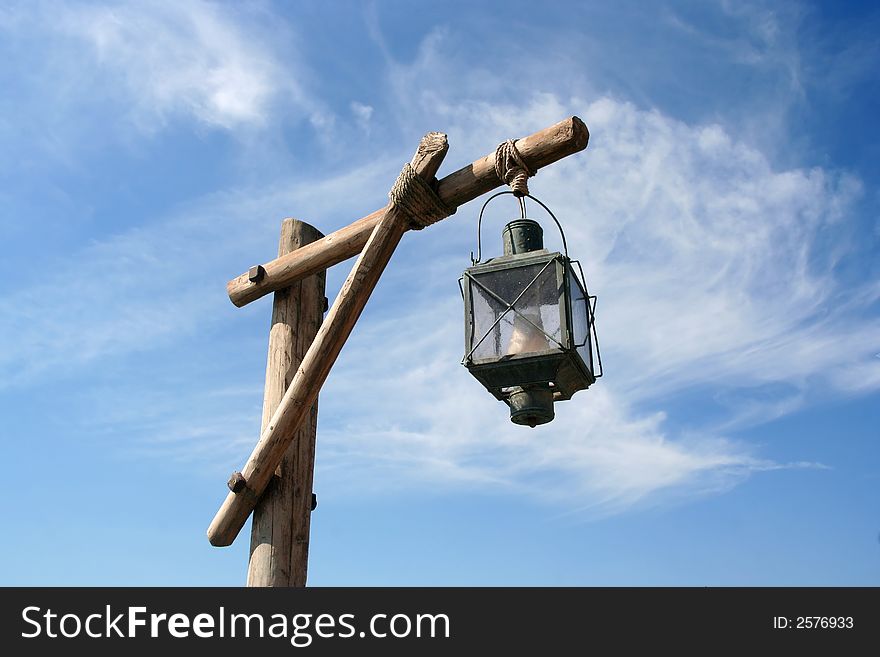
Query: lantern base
{"x": 531, "y": 406}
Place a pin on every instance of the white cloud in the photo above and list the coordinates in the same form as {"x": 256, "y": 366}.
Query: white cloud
{"x": 183, "y": 58}
{"x": 715, "y": 271}
{"x": 400, "y": 411}
{"x": 858, "y": 377}
{"x": 702, "y": 255}
{"x": 362, "y": 115}
{"x": 152, "y": 287}
{"x": 714, "y": 266}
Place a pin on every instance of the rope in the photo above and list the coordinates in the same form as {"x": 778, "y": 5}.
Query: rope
{"x": 416, "y": 198}
{"x": 512, "y": 169}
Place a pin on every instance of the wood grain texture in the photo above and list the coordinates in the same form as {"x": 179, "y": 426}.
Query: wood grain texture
{"x": 321, "y": 355}
{"x": 280, "y": 529}
{"x": 538, "y": 150}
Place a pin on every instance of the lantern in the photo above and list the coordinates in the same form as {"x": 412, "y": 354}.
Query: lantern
{"x": 530, "y": 335}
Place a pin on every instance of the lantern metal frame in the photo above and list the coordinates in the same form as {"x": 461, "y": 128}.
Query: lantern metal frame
{"x": 562, "y": 365}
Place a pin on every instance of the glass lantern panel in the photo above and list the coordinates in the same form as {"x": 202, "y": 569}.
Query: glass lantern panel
{"x": 580, "y": 324}
{"x": 531, "y": 325}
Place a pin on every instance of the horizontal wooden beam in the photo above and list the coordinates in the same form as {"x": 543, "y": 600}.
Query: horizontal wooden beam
{"x": 538, "y": 150}
{"x": 321, "y": 355}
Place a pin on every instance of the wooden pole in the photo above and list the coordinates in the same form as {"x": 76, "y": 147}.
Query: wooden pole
{"x": 280, "y": 529}
{"x": 538, "y": 150}
{"x": 303, "y": 390}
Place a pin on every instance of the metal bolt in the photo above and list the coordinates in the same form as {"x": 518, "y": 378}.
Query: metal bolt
{"x": 236, "y": 482}
{"x": 256, "y": 273}
{"x": 314, "y": 501}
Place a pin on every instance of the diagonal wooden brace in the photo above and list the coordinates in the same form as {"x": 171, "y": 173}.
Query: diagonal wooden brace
{"x": 537, "y": 150}
{"x": 322, "y": 354}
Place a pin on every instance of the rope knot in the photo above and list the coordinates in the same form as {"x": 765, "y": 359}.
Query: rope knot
{"x": 416, "y": 198}
{"x": 511, "y": 168}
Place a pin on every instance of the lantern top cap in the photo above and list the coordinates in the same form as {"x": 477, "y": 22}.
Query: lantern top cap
{"x": 522, "y": 236}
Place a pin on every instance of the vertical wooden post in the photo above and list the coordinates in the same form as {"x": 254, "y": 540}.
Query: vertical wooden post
{"x": 280, "y": 530}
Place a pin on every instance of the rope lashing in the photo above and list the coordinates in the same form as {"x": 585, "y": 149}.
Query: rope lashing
{"x": 416, "y": 198}
{"x": 511, "y": 168}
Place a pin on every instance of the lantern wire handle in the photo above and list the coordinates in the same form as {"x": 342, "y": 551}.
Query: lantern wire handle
{"x": 522, "y": 206}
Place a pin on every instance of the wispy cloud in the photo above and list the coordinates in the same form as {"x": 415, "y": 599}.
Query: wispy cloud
{"x": 400, "y": 412}
{"x": 714, "y": 264}
{"x": 716, "y": 270}
{"x": 222, "y": 66}
{"x": 362, "y": 114}
{"x": 182, "y": 58}
{"x": 152, "y": 287}
{"x": 701, "y": 252}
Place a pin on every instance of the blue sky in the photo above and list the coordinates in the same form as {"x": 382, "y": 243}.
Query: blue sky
{"x": 725, "y": 213}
